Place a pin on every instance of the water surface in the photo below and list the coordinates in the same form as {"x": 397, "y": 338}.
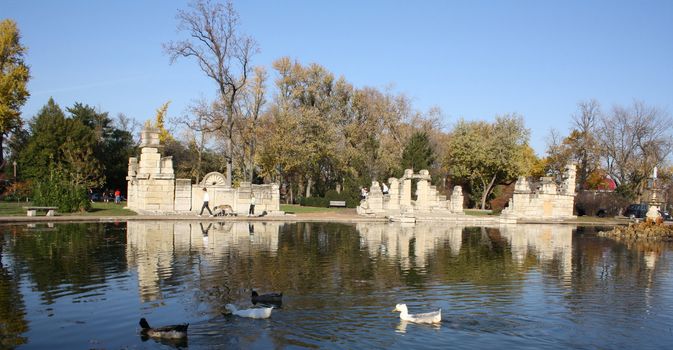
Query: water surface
{"x": 75, "y": 286}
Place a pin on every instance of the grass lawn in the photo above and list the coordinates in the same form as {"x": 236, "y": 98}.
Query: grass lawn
{"x": 97, "y": 209}
{"x": 106, "y": 209}
{"x": 479, "y": 212}
{"x": 13, "y": 208}
{"x": 297, "y": 209}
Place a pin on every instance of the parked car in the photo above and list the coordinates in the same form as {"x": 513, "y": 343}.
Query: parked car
{"x": 639, "y": 211}
{"x": 634, "y": 211}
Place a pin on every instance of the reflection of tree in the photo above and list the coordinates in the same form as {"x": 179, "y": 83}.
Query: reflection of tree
{"x": 485, "y": 259}
{"x": 606, "y": 274}
{"x": 12, "y": 322}
{"x": 73, "y": 256}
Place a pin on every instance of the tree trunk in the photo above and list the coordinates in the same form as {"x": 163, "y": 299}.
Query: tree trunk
{"x": 487, "y": 191}
{"x": 2, "y": 151}
{"x": 228, "y": 157}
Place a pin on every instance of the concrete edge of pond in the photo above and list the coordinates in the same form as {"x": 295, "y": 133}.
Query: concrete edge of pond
{"x": 304, "y": 217}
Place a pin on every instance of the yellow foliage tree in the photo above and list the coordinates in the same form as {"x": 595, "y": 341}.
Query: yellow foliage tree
{"x": 164, "y": 135}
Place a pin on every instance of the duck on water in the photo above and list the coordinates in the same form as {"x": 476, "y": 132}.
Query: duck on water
{"x": 167, "y": 332}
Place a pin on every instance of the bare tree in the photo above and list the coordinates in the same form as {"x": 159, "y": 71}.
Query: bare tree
{"x": 633, "y": 141}
{"x": 223, "y": 54}
{"x": 583, "y": 139}
{"x": 251, "y": 105}
{"x": 198, "y": 132}
{"x": 558, "y": 154}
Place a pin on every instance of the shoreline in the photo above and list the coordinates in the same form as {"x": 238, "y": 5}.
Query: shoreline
{"x": 340, "y": 217}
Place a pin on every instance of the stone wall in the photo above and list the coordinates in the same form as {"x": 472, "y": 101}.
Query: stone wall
{"x": 151, "y": 181}
{"x": 542, "y": 200}
{"x": 399, "y": 206}
{"x": 153, "y": 189}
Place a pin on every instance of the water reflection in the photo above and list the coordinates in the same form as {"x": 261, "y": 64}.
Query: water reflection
{"x": 155, "y": 247}
{"x": 538, "y": 286}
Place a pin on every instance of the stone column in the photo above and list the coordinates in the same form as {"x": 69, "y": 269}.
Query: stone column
{"x": 457, "y": 200}
{"x": 422, "y": 194}
{"x": 423, "y": 190}
{"x": 569, "y": 183}
{"x": 394, "y": 194}
{"x": 405, "y": 190}
{"x": 375, "y": 198}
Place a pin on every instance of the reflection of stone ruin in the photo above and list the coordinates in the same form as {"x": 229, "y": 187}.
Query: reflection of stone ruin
{"x": 153, "y": 189}
{"x": 155, "y": 248}
{"x": 544, "y": 200}
{"x": 399, "y": 206}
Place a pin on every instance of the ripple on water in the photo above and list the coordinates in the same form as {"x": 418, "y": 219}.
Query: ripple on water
{"x": 339, "y": 294}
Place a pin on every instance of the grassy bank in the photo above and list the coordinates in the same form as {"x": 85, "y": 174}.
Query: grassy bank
{"x": 298, "y": 209}
{"x": 97, "y": 209}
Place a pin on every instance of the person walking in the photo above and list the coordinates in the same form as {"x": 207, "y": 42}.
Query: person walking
{"x": 251, "y": 212}
{"x": 118, "y": 196}
{"x": 206, "y": 199}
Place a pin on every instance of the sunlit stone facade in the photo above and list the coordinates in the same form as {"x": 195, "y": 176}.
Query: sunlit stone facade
{"x": 542, "y": 201}
{"x": 153, "y": 189}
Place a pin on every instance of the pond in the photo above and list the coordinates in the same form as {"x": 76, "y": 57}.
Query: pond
{"x": 86, "y": 285}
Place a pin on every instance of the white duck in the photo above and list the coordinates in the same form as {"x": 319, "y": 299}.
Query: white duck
{"x": 263, "y": 312}
{"x": 429, "y": 317}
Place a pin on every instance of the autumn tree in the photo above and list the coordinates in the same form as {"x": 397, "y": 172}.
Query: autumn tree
{"x": 486, "y": 154}
{"x": 14, "y": 75}
{"x": 160, "y": 122}
{"x": 306, "y": 99}
{"x": 223, "y": 53}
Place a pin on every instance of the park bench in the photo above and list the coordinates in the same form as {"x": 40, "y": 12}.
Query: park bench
{"x": 337, "y": 204}
{"x": 32, "y": 211}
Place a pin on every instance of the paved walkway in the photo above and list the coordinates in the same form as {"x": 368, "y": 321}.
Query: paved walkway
{"x": 344, "y": 216}
{"x": 334, "y": 216}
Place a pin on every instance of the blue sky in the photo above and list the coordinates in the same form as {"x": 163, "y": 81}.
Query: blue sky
{"x": 473, "y": 59}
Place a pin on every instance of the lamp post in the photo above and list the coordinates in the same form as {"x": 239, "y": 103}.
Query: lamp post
{"x": 14, "y": 185}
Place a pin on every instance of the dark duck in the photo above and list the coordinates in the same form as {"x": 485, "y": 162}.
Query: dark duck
{"x": 269, "y": 298}
{"x": 166, "y": 332}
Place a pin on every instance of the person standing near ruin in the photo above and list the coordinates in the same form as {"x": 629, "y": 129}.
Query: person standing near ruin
{"x": 118, "y": 196}
{"x": 251, "y": 212}
{"x": 206, "y": 199}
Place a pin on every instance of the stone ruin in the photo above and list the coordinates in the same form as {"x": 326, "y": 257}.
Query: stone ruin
{"x": 153, "y": 188}
{"x": 542, "y": 200}
{"x": 398, "y": 205}
{"x": 539, "y": 201}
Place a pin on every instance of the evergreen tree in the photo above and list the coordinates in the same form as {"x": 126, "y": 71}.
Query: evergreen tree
{"x": 418, "y": 153}
{"x": 64, "y": 142}
{"x": 113, "y": 146}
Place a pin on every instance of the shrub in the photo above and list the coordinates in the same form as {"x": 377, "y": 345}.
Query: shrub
{"x": 18, "y": 191}
{"x": 58, "y": 191}
{"x": 351, "y": 197}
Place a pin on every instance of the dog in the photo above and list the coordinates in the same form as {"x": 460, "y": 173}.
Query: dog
{"x": 223, "y": 210}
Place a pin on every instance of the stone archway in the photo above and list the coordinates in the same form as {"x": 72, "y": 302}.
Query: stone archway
{"x": 213, "y": 179}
